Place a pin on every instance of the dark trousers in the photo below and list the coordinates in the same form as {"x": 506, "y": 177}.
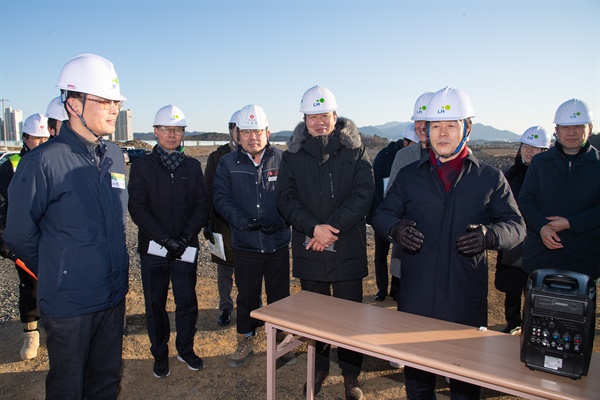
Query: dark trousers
{"x": 85, "y": 355}
{"x": 382, "y": 248}
{"x": 250, "y": 268}
{"x": 512, "y": 310}
{"x": 225, "y": 286}
{"x": 27, "y": 297}
{"x": 350, "y": 361}
{"x": 420, "y": 385}
{"x": 157, "y": 272}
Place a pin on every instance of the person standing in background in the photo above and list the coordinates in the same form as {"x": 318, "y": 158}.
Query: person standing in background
{"x": 324, "y": 190}
{"x": 510, "y": 278}
{"x": 35, "y": 132}
{"x": 169, "y": 204}
{"x": 56, "y": 114}
{"x": 560, "y": 198}
{"x": 218, "y": 224}
{"x": 66, "y": 222}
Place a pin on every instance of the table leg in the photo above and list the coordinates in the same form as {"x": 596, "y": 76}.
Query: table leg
{"x": 310, "y": 369}
{"x": 271, "y": 359}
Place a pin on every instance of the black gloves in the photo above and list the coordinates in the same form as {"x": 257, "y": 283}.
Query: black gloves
{"x": 477, "y": 241}
{"x": 208, "y": 233}
{"x": 175, "y": 248}
{"x": 253, "y": 225}
{"x": 186, "y": 237}
{"x": 405, "y": 234}
{"x": 270, "y": 226}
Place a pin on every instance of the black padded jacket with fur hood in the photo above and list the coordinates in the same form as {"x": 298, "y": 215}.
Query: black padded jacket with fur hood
{"x": 327, "y": 180}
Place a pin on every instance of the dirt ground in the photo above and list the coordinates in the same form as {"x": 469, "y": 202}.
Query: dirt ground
{"x": 25, "y": 380}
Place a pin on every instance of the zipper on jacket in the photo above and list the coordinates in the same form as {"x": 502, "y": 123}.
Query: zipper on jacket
{"x": 331, "y": 184}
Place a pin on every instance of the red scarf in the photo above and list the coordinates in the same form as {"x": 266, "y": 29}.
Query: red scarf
{"x": 449, "y": 170}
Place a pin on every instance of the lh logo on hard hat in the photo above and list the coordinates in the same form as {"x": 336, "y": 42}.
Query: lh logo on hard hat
{"x": 576, "y": 115}
{"x": 444, "y": 109}
{"x": 531, "y": 137}
{"x": 115, "y": 82}
{"x": 421, "y": 109}
{"x": 318, "y": 102}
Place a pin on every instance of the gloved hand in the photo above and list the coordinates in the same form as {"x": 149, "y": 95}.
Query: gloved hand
{"x": 270, "y": 226}
{"x": 187, "y": 237}
{"x": 6, "y": 252}
{"x": 175, "y": 248}
{"x": 208, "y": 233}
{"x": 405, "y": 234}
{"x": 479, "y": 239}
{"x": 253, "y": 225}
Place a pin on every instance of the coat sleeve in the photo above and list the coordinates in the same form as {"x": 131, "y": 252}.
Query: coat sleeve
{"x": 507, "y": 222}
{"x": 209, "y": 177}
{"x": 289, "y": 203}
{"x": 199, "y": 216}
{"x": 357, "y": 205}
{"x": 528, "y": 199}
{"x": 224, "y": 197}
{"x": 28, "y": 199}
{"x": 139, "y": 203}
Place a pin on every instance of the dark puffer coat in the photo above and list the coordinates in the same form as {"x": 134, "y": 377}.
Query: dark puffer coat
{"x": 327, "y": 180}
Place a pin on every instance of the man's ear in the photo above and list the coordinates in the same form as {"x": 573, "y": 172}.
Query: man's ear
{"x": 73, "y": 106}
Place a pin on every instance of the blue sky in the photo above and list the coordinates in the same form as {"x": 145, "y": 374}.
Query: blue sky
{"x": 518, "y": 60}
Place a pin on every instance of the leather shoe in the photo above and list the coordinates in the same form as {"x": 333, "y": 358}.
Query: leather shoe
{"x": 353, "y": 390}
{"x": 225, "y": 317}
{"x": 380, "y": 296}
{"x": 320, "y": 377}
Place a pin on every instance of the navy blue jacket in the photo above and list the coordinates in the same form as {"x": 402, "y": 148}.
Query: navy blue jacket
{"x": 66, "y": 221}
{"x": 242, "y": 191}
{"x": 555, "y": 186}
{"x": 437, "y": 281}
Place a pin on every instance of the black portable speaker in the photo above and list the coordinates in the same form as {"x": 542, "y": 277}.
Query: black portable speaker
{"x": 559, "y": 322}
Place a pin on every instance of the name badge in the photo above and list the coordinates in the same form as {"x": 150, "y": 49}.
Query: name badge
{"x": 117, "y": 180}
{"x": 272, "y": 178}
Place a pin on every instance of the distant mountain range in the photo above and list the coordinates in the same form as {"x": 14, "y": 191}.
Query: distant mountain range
{"x": 390, "y": 130}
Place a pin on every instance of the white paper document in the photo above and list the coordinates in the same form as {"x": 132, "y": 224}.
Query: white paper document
{"x": 156, "y": 249}
{"x": 218, "y": 249}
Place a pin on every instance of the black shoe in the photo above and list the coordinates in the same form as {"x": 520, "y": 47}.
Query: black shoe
{"x": 380, "y": 296}
{"x": 193, "y": 362}
{"x": 225, "y": 317}
{"x": 161, "y": 367}
{"x": 320, "y": 377}
{"x": 394, "y": 294}
{"x": 353, "y": 390}
{"x": 508, "y": 328}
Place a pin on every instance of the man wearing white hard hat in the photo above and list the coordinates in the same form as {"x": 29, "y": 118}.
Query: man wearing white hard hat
{"x": 218, "y": 225}
{"x": 510, "y": 278}
{"x": 66, "y": 221}
{"x": 445, "y": 211}
{"x": 169, "y": 204}
{"x": 244, "y": 194}
{"x": 324, "y": 191}
{"x": 560, "y": 198}
{"x": 35, "y": 132}
{"x": 56, "y": 114}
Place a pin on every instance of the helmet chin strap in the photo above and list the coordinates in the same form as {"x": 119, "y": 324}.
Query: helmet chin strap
{"x": 458, "y": 148}
{"x": 81, "y": 115}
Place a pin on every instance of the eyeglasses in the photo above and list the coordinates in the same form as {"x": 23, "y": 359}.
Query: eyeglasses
{"x": 250, "y": 132}
{"x": 175, "y": 130}
{"x": 107, "y": 104}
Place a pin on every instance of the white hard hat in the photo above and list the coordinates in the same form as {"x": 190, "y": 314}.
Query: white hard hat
{"x": 410, "y": 134}
{"x": 169, "y": 116}
{"x": 234, "y": 117}
{"x": 421, "y": 106}
{"x": 449, "y": 104}
{"x": 317, "y": 100}
{"x": 91, "y": 74}
{"x": 573, "y": 112}
{"x": 36, "y": 125}
{"x": 56, "y": 110}
{"x": 252, "y": 117}
{"x": 536, "y": 136}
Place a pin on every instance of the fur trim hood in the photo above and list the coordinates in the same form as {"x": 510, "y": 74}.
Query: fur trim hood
{"x": 345, "y": 130}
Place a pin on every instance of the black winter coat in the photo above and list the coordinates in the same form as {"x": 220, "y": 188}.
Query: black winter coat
{"x": 438, "y": 281}
{"x": 327, "y": 184}
{"x": 164, "y": 204}
{"x": 382, "y": 165}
